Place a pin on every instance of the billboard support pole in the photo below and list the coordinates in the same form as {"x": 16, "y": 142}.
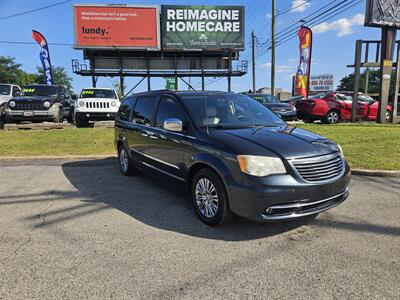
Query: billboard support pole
{"x": 357, "y": 66}
{"x": 91, "y": 61}
{"x": 148, "y": 75}
{"x": 121, "y": 78}
{"x": 176, "y": 73}
{"x": 229, "y": 70}
{"x": 388, "y": 42}
{"x": 202, "y": 73}
{"x": 396, "y": 85}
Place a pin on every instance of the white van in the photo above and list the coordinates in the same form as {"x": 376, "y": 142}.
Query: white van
{"x": 7, "y": 92}
{"x": 95, "y": 104}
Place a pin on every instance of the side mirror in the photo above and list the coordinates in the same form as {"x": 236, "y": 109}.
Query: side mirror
{"x": 173, "y": 124}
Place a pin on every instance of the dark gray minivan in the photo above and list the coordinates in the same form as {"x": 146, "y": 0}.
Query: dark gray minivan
{"x": 233, "y": 154}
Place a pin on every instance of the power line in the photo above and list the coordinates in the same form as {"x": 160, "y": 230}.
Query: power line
{"x": 279, "y": 13}
{"x": 33, "y": 10}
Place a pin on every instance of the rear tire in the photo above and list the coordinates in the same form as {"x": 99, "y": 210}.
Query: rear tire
{"x": 388, "y": 117}
{"x": 79, "y": 123}
{"x": 125, "y": 163}
{"x": 209, "y": 198}
{"x": 332, "y": 117}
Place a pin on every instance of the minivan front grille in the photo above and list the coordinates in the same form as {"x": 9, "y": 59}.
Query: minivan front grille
{"x": 97, "y": 104}
{"x": 319, "y": 168}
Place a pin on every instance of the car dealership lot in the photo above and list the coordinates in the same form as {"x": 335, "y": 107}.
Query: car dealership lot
{"x": 81, "y": 229}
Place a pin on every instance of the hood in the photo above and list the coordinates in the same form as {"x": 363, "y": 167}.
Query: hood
{"x": 285, "y": 142}
{"x": 98, "y": 99}
{"x": 278, "y": 105}
{"x": 34, "y": 98}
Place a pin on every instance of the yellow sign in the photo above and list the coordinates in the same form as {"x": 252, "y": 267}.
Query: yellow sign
{"x": 387, "y": 63}
{"x": 28, "y": 90}
{"x": 88, "y": 92}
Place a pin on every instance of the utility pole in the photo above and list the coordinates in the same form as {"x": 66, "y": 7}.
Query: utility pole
{"x": 273, "y": 21}
{"x": 253, "y": 54}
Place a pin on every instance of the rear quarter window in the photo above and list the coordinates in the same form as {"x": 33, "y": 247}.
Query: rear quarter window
{"x": 126, "y": 109}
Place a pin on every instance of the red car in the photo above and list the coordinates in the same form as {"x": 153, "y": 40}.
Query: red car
{"x": 333, "y": 107}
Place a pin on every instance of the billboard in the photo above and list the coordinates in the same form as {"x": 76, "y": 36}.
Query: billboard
{"x": 116, "y": 26}
{"x": 380, "y": 13}
{"x": 202, "y": 27}
{"x": 321, "y": 83}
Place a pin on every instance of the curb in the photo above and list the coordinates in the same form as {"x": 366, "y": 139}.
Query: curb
{"x": 376, "y": 173}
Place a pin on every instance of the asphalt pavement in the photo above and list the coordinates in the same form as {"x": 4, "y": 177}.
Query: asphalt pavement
{"x": 79, "y": 229}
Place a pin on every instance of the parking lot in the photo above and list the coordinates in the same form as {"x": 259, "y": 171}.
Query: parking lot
{"x": 79, "y": 229}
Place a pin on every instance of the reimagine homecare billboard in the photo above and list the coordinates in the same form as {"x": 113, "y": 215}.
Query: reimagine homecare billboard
{"x": 202, "y": 27}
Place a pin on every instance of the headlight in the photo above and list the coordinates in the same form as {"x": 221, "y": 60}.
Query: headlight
{"x": 81, "y": 104}
{"x": 46, "y": 104}
{"x": 341, "y": 150}
{"x": 113, "y": 104}
{"x": 12, "y": 103}
{"x": 260, "y": 165}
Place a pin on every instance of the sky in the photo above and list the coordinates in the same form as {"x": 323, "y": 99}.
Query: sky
{"x": 333, "y": 40}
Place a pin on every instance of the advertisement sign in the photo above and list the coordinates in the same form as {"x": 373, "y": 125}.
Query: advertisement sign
{"x": 321, "y": 83}
{"x": 171, "y": 84}
{"x": 381, "y": 13}
{"x": 44, "y": 55}
{"x": 303, "y": 71}
{"x": 112, "y": 26}
{"x": 202, "y": 27}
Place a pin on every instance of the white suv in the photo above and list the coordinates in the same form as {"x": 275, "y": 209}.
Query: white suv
{"x": 7, "y": 92}
{"x": 95, "y": 104}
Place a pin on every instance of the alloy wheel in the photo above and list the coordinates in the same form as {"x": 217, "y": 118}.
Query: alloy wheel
{"x": 333, "y": 117}
{"x": 206, "y": 197}
{"x": 123, "y": 160}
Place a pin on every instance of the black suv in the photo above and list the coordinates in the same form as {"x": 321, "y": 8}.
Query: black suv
{"x": 40, "y": 102}
{"x": 233, "y": 154}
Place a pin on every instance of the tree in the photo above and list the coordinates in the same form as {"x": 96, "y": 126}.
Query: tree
{"x": 9, "y": 69}
{"x": 347, "y": 82}
{"x": 60, "y": 76}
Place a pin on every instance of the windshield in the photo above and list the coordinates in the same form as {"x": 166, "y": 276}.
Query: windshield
{"x": 40, "y": 90}
{"x": 229, "y": 111}
{"x": 98, "y": 93}
{"x": 265, "y": 98}
{"x": 365, "y": 98}
{"x": 5, "y": 89}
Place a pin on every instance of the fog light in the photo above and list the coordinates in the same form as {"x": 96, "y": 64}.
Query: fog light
{"x": 268, "y": 210}
{"x": 108, "y": 115}
{"x": 87, "y": 115}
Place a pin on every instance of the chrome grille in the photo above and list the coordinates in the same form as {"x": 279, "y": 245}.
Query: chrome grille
{"x": 97, "y": 104}
{"x": 28, "y": 106}
{"x": 320, "y": 168}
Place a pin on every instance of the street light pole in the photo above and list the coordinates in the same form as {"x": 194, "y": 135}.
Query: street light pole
{"x": 253, "y": 63}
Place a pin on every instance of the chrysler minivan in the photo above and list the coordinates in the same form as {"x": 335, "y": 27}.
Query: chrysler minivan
{"x": 234, "y": 155}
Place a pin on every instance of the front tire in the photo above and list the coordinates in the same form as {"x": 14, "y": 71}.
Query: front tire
{"x": 79, "y": 123}
{"x": 388, "y": 117}
{"x": 210, "y": 199}
{"x": 58, "y": 118}
{"x": 332, "y": 117}
{"x": 125, "y": 163}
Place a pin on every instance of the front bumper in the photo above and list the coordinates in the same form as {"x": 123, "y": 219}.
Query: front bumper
{"x": 95, "y": 116}
{"x": 284, "y": 197}
{"x": 31, "y": 115}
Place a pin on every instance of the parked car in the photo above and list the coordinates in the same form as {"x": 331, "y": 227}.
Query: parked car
{"x": 40, "y": 102}
{"x": 285, "y": 110}
{"x": 292, "y": 100}
{"x": 232, "y": 153}
{"x": 7, "y": 91}
{"x": 96, "y": 104}
{"x": 333, "y": 107}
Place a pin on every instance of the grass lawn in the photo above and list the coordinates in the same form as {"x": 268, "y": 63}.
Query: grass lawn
{"x": 366, "y": 146}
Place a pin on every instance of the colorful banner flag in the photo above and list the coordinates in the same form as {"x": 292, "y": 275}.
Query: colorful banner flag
{"x": 44, "y": 55}
{"x": 303, "y": 71}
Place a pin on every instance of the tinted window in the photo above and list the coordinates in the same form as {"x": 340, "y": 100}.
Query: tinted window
{"x": 15, "y": 91}
{"x": 39, "y": 90}
{"x": 4, "y": 89}
{"x": 98, "y": 93}
{"x": 168, "y": 108}
{"x": 126, "y": 109}
{"x": 228, "y": 111}
{"x": 144, "y": 109}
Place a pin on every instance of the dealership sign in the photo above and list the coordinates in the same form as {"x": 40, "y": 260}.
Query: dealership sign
{"x": 321, "y": 83}
{"x": 202, "y": 27}
{"x": 114, "y": 26}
